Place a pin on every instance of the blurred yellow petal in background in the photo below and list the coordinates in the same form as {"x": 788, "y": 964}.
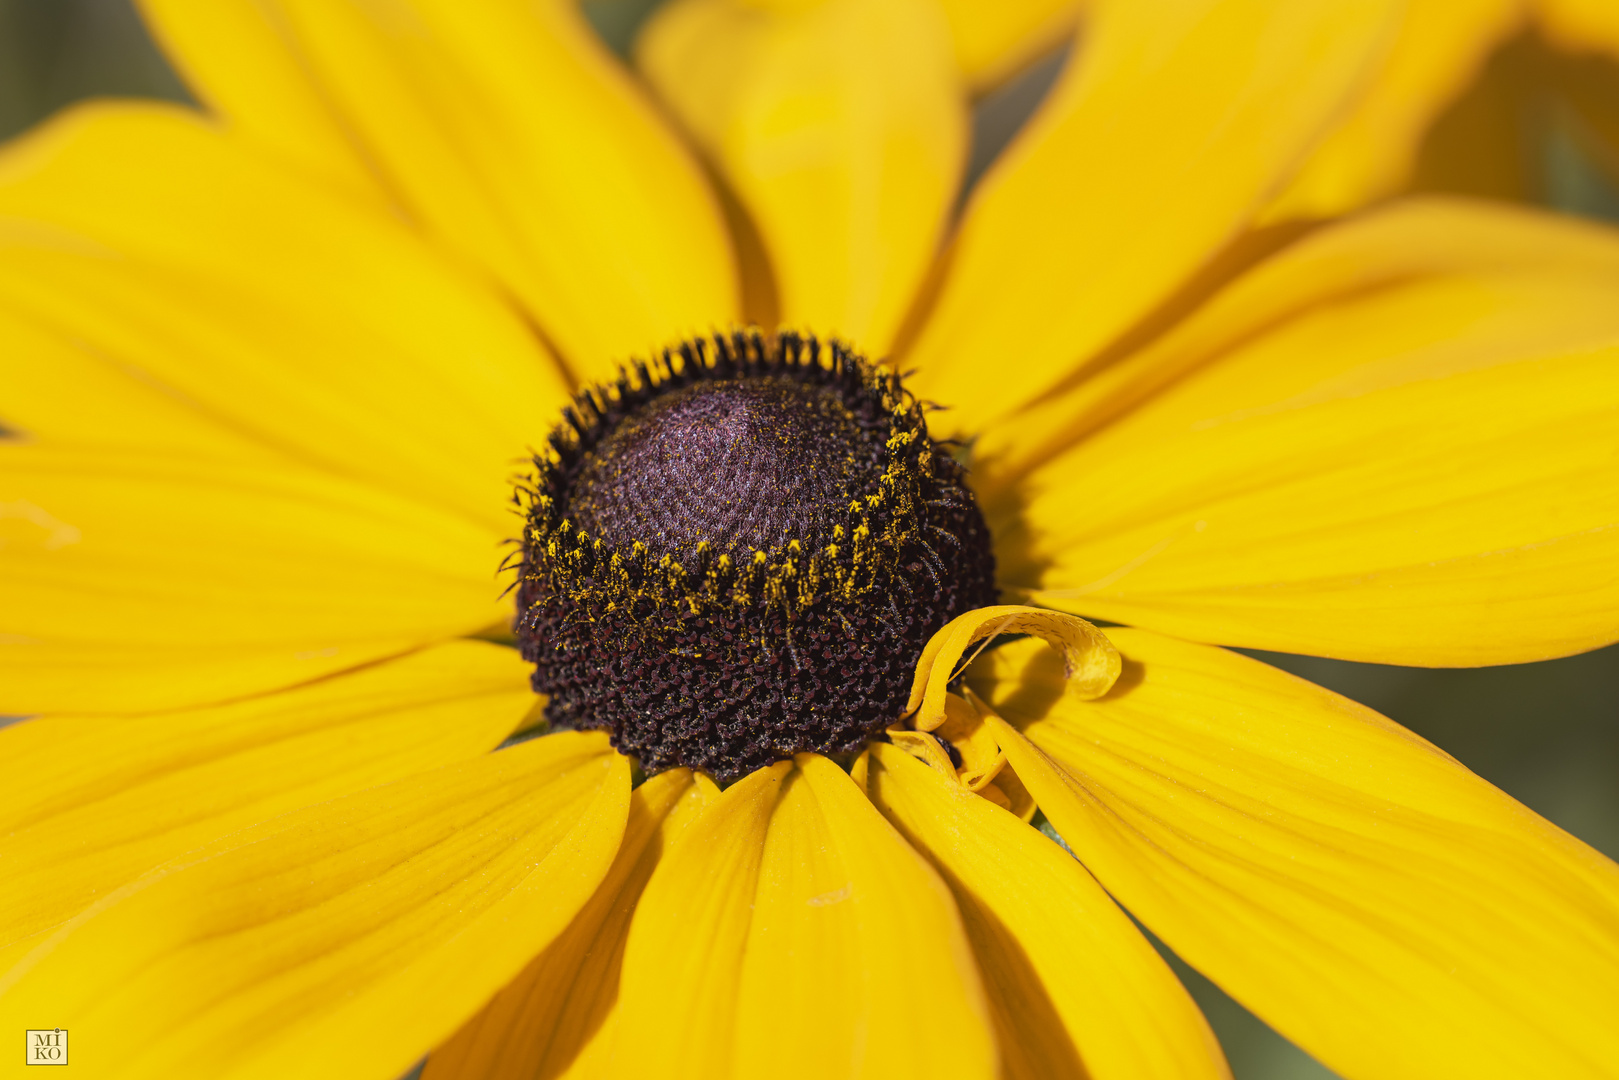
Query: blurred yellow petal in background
{"x": 1485, "y": 97}
{"x": 842, "y": 128}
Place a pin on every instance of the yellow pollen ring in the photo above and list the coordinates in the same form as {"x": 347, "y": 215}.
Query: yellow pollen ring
{"x": 1090, "y": 662}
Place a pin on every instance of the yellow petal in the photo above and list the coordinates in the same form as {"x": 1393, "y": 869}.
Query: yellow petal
{"x": 981, "y": 757}
{"x": 202, "y": 272}
{"x": 1404, "y": 243}
{"x": 1393, "y": 445}
{"x": 925, "y": 748}
{"x": 60, "y": 389}
{"x": 256, "y": 577}
{"x": 1580, "y": 25}
{"x": 507, "y": 131}
{"x": 370, "y": 926}
{"x": 91, "y": 803}
{"x": 1440, "y": 48}
{"x": 842, "y": 128}
{"x": 992, "y": 41}
{"x": 558, "y": 1017}
{"x": 239, "y": 58}
{"x": 1172, "y": 126}
{"x": 1018, "y": 801}
{"x": 1091, "y": 660}
{"x": 857, "y": 771}
{"x": 1353, "y": 885}
{"x": 1075, "y": 990}
{"x": 677, "y": 996}
{"x": 791, "y": 932}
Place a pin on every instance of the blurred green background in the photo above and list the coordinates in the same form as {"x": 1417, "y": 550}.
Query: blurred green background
{"x": 1547, "y": 733}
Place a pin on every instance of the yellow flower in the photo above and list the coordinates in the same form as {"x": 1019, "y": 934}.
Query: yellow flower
{"x": 1463, "y": 100}
{"x": 269, "y": 372}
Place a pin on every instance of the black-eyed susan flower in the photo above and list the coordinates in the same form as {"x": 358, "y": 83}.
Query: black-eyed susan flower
{"x": 270, "y": 374}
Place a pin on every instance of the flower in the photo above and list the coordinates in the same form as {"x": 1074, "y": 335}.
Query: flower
{"x": 269, "y": 370}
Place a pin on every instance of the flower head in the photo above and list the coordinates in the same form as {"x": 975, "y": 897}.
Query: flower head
{"x": 742, "y": 539}
{"x": 288, "y": 787}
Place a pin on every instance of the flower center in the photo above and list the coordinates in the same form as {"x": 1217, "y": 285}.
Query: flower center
{"x": 737, "y": 552}
{"x": 748, "y": 464}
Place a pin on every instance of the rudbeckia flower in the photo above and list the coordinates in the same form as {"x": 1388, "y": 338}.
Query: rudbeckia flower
{"x": 276, "y": 372}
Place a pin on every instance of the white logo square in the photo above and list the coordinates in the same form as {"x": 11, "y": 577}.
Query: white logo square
{"x": 47, "y": 1046}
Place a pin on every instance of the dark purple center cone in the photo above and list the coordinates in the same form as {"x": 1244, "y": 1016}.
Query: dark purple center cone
{"x": 738, "y": 551}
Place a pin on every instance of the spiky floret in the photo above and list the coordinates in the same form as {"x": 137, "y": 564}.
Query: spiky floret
{"x": 735, "y": 551}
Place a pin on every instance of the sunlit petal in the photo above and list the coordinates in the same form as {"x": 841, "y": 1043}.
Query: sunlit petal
{"x": 505, "y": 129}
{"x": 371, "y": 926}
{"x": 1074, "y": 988}
{"x": 1169, "y": 130}
{"x": 247, "y": 577}
{"x": 1441, "y": 46}
{"x": 559, "y": 1017}
{"x": 202, "y": 274}
{"x": 1089, "y": 657}
{"x": 841, "y": 127}
{"x": 60, "y": 389}
{"x": 93, "y": 802}
{"x": 792, "y": 915}
{"x": 1396, "y": 443}
{"x": 1356, "y": 887}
